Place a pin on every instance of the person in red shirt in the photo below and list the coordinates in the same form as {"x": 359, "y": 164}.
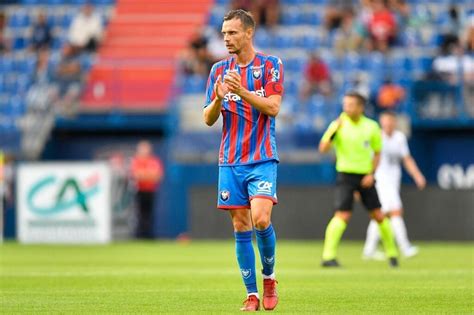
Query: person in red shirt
{"x": 317, "y": 78}
{"x": 147, "y": 172}
{"x": 382, "y": 26}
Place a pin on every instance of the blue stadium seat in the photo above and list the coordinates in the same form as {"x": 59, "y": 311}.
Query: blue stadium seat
{"x": 2, "y": 85}
{"x": 294, "y": 64}
{"x": 6, "y": 64}
{"x": 291, "y": 87}
{"x": 422, "y": 63}
{"x": 332, "y": 62}
{"x": 283, "y": 41}
{"x": 19, "y": 19}
{"x": 291, "y": 17}
{"x": 78, "y": 2}
{"x": 352, "y": 62}
{"x": 30, "y": 2}
{"x": 312, "y": 18}
{"x": 309, "y": 42}
{"x": 25, "y": 65}
{"x": 104, "y": 2}
{"x": 262, "y": 38}
{"x": 87, "y": 61}
{"x": 215, "y": 19}
{"x": 17, "y": 106}
{"x": 194, "y": 84}
{"x": 55, "y": 2}
{"x": 20, "y": 42}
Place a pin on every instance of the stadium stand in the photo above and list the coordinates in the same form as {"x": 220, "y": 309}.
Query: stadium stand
{"x": 136, "y": 68}
{"x": 136, "y": 65}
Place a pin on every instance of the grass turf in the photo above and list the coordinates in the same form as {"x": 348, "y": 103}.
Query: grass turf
{"x": 202, "y": 277}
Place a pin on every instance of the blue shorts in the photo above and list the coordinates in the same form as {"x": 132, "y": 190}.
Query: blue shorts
{"x": 240, "y": 184}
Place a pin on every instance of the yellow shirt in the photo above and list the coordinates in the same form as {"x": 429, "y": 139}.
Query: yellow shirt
{"x": 355, "y": 144}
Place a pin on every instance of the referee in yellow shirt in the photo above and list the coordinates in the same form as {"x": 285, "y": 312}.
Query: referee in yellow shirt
{"x": 357, "y": 141}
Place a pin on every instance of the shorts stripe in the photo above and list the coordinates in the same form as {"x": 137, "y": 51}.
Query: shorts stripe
{"x": 275, "y": 201}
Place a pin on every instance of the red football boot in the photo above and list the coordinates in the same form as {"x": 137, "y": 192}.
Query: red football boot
{"x": 270, "y": 296}
{"x": 251, "y": 304}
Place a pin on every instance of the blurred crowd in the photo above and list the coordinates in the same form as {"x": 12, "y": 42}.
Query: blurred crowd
{"x": 62, "y": 71}
{"x": 380, "y": 26}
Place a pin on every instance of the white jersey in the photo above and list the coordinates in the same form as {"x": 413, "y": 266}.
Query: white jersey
{"x": 394, "y": 149}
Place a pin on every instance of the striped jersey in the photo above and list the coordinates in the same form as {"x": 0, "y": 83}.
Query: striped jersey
{"x": 248, "y": 136}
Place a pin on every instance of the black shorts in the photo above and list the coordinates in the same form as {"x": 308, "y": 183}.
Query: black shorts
{"x": 346, "y": 185}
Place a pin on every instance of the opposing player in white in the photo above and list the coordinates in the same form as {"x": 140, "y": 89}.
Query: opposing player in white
{"x": 388, "y": 176}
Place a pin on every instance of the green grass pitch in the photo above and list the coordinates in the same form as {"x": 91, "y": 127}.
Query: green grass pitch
{"x": 202, "y": 277}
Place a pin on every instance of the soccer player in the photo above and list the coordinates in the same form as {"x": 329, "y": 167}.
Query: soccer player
{"x": 246, "y": 89}
{"x": 388, "y": 175}
{"x": 357, "y": 141}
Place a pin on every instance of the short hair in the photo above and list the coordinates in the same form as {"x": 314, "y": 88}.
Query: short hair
{"x": 360, "y": 98}
{"x": 245, "y": 17}
{"x": 390, "y": 113}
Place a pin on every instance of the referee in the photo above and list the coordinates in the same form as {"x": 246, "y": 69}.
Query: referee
{"x": 357, "y": 141}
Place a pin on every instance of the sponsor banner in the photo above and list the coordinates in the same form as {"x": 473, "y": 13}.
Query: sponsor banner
{"x": 64, "y": 203}
{"x": 455, "y": 176}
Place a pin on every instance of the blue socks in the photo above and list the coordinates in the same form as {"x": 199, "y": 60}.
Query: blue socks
{"x": 266, "y": 240}
{"x": 246, "y": 259}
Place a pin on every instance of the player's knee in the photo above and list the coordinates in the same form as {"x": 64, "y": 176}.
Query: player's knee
{"x": 242, "y": 226}
{"x": 396, "y": 213}
{"x": 377, "y": 215}
{"x": 344, "y": 215}
{"x": 261, "y": 222}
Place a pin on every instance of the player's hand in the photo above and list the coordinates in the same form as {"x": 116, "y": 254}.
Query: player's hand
{"x": 234, "y": 82}
{"x": 367, "y": 181}
{"x": 220, "y": 88}
{"x": 420, "y": 182}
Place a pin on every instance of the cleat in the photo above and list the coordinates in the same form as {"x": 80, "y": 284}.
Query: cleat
{"x": 377, "y": 255}
{"x": 270, "y": 296}
{"x": 330, "y": 263}
{"x": 251, "y": 304}
{"x": 411, "y": 252}
{"x": 393, "y": 261}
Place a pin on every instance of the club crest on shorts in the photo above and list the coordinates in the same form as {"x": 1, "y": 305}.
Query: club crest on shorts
{"x": 225, "y": 195}
{"x": 246, "y": 273}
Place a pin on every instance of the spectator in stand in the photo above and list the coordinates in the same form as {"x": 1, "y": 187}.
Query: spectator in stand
{"x": 197, "y": 59}
{"x": 454, "y": 66}
{"x": 147, "y": 171}
{"x": 469, "y": 35}
{"x": 4, "y": 42}
{"x": 42, "y": 73}
{"x": 41, "y": 33}
{"x": 215, "y": 44}
{"x": 336, "y": 11}
{"x": 266, "y": 13}
{"x": 451, "y": 28}
{"x": 389, "y": 96}
{"x": 382, "y": 27}
{"x": 68, "y": 78}
{"x": 317, "y": 78}
{"x": 39, "y": 93}
{"x": 86, "y": 30}
{"x": 350, "y": 35}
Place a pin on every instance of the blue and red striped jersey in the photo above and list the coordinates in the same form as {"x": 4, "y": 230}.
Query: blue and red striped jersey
{"x": 248, "y": 136}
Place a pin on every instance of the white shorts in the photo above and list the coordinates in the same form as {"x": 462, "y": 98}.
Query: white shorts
{"x": 389, "y": 196}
